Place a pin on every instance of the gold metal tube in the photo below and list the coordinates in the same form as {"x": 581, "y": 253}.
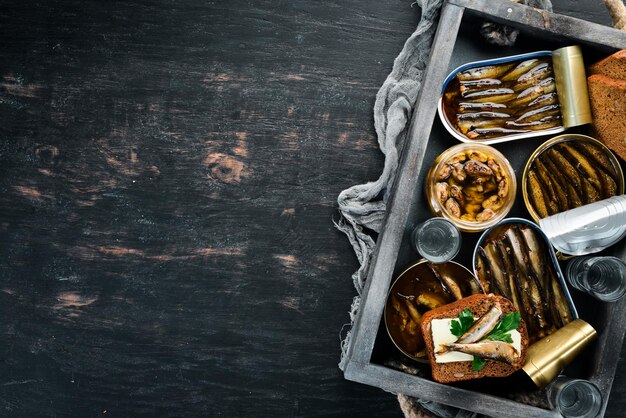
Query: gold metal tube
{"x": 548, "y": 356}
{"x": 571, "y": 85}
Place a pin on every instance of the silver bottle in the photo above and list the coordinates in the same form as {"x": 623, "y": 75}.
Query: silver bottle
{"x": 587, "y": 229}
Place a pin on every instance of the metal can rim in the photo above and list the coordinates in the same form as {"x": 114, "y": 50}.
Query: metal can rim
{"x": 559, "y": 139}
{"x": 406, "y": 270}
{"x": 438, "y": 210}
{"x": 550, "y": 249}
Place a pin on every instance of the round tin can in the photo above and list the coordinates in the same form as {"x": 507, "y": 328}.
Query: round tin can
{"x": 558, "y": 176}
{"x": 419, "y": 289}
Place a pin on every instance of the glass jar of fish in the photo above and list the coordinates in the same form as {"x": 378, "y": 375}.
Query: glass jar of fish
{"x": 472, "y": 185}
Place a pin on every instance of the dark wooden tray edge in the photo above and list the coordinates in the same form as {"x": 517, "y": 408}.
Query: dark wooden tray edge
{"x": 364, "y": 332}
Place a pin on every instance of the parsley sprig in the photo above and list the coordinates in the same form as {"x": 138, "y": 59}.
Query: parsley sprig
{"x": 501, "y": 332}
{"x": 458, "y": 328}
{"x": 478, "y": 363}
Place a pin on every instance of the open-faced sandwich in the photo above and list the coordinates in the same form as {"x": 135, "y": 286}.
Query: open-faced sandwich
{"x": 477, "y": 336}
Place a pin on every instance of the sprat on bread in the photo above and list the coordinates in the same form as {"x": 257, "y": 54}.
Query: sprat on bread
{"x": 477, "y": 336}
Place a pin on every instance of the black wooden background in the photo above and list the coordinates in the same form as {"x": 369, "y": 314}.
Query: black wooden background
{"x": 168, "y": 176}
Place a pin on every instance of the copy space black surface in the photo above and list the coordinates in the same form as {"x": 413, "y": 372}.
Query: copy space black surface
{"x": 168, "y": 173}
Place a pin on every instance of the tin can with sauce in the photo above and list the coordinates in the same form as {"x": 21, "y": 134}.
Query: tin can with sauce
{"x": 421, "y": 287}
{"x": 515, "y": 97}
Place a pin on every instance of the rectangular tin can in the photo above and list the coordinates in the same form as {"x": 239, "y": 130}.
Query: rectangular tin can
{"x": 571, "y": 90}
{"x": 549, "y": 250}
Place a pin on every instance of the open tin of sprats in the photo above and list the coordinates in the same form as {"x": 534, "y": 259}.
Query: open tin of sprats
{"x": 569, "y": 171}
{"x": 418, "y": 289}
{"x": 514, "y": 259}
{"x": 516, "y": 97}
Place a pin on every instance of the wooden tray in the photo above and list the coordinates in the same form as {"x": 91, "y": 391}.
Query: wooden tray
{"x": 457, "y": 42}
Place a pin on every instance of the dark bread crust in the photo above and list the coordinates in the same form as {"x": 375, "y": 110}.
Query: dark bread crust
{"x": 607, "y": 97}
{"x": 613, "y": 66}
{"x": 457, "y": 371}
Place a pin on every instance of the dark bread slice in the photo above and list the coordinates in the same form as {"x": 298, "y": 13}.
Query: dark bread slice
{"x": 613, "y": 66}
{"x": 607, "y": 97}
{"x": 462, "y": 370}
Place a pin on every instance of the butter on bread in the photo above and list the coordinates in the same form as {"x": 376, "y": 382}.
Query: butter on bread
{"x": 607, "y": 97}
{"x": 462, "y": 370}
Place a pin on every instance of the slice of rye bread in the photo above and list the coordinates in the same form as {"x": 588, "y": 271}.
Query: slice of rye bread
{"x": 462, "y": 370}
{"x": 607, "y": 97}
{"x": 613, "y": 66}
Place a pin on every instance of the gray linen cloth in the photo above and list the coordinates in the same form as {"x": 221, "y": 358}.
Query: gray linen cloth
{"x": 361, "y": 207}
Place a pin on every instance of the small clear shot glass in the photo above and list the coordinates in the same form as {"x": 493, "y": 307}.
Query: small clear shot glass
{"x": 437, "y": 240}
{"x": 574, "y": 398}
{"x": 601, "y": 277}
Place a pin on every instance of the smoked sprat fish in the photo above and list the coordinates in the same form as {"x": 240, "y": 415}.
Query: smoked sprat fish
{"x": 482, "y": 326}
{"x": 569, "y": 174}
{"x": 492, "y": 350}
{"x": 504, "y": 99}
{"x": 514, "y": 262}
